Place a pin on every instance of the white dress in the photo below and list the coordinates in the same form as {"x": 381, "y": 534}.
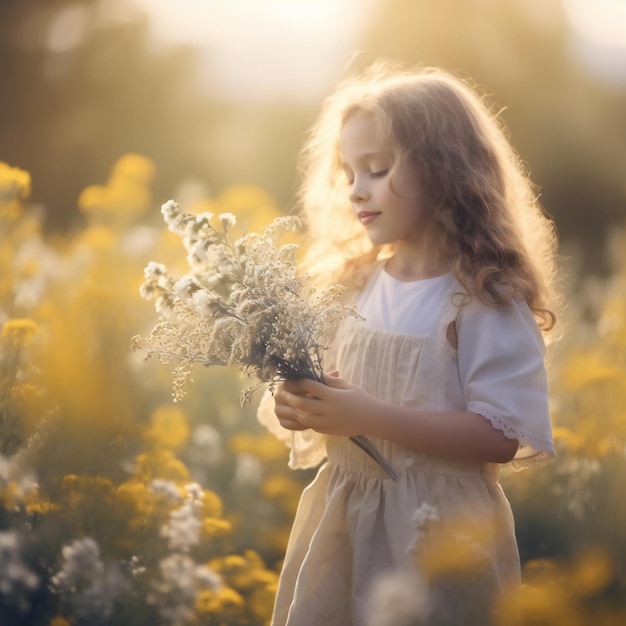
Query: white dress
{"x": 353, "y": 522}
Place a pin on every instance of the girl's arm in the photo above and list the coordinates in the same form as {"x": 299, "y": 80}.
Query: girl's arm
{"x": 339, "y": 408}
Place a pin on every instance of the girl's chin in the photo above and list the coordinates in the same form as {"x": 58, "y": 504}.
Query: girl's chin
{"x": 378, "y": 239}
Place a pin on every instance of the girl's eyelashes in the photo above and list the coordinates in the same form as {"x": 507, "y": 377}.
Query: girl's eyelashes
{"x": 377, "y": 174}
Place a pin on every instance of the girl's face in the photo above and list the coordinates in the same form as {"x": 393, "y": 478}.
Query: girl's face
{"x": 389, "y": 212}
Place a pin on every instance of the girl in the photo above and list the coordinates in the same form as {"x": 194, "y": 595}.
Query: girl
{"x": 415, "y": 200}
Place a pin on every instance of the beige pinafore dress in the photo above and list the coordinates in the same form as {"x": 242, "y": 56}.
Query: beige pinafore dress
{"x": 448, "y": 522}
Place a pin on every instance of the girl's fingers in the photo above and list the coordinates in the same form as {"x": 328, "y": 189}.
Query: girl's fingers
{"x": 290, "y": 424}
{"x": 293, "y": 386}
{"x": 288, "y": 417}
{"x": 332, "y": 380}
{"x": 301, "y": 403}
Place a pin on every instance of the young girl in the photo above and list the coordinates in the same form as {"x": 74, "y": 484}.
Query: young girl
{"x": 415, "y": 201}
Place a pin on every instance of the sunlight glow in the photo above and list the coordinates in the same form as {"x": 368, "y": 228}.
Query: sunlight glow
{"x": 603, "y": 22}
{"x": 599, "y": 36}
{"x": 263, "y": 49}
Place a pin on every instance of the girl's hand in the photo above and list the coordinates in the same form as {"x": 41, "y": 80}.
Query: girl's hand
{"x": 284, "y": 412}
{"x": 334, "y": 408}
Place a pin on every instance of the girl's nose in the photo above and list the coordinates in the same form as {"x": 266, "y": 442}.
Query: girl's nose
{"x": 358, "y": 192}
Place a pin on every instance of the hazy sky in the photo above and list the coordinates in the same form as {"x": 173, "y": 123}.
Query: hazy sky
{"x": 266, "y": 49}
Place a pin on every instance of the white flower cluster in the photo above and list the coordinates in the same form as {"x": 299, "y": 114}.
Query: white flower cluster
{"x": 93, "y": 588}
{"x": 398, "y": 598}
{"x": 175, "y": 593}
{"x": 17, "y": 581}
{"x": 183, "y": 528}
{"x": 242, "y": 303}
{"x": 422, "y": 521}
{"x": 81, "y": 565}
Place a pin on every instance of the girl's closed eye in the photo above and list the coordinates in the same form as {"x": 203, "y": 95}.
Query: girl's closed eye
{"x": 379, "y": 173}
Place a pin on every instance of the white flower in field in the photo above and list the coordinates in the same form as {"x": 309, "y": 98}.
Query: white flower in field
{"x": 167, "y": 489}
{"x": 81, "y": 565}
{"x": 17, "y": 581}
{"x": 249, "y": 470}
{"x": 174, "y": 594}
{"x": 13, "y": 472}
{"x": 195, "y": 491}
{"x": 398, "y": 599}
{"x": 183, "y": 528}
{"x": 422, "y": 520}
{"x": 96, "y": 603}
{"x": 205, "y": 451}
{"x": 207, "y": 578}
{"x": 136, "y": 569}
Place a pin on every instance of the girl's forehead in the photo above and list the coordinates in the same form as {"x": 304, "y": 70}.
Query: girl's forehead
{"x": 363, "y": 133}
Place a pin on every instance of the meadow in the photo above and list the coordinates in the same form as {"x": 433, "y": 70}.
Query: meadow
{"x": 119, "y": 506}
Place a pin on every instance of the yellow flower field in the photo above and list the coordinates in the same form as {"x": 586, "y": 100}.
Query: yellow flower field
{"x": 119, "y": 507}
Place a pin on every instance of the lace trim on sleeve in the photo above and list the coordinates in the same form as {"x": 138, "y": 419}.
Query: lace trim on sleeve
{"x": 532, "y": 451}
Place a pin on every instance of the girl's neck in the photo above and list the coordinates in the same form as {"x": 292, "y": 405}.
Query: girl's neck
{"x": 410, "y": 264}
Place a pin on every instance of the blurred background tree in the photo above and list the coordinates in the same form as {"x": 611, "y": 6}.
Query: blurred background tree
{"x": 83, "y": 81}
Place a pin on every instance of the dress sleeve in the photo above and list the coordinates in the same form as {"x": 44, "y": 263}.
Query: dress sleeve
{"x": 503, "y": 375}
{"x": 307, "y": 447}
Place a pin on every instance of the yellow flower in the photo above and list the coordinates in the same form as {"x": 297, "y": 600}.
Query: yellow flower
{"x": 215, "y": 527}
{"x": 571, "y": 439}
{"x": 253, "y": 207}
{"x": 18, "y": 331}
{"x": 92, "y": 198}
{"x": 11, "y": 495}
{"x": 592, "y": 572}
{"x": 211, "y": 504}
{"x": 244, "y": 572}
{"x": 270, "y": 448}
{"x": 79, "y": 487}
{"x": 261, "y": 601}
{"x": 134, "y": 494}
{"x": 207, "y": 603}
{"x": 242, "y": 443}
{"x": 35, "y": 504}
{"x": 586, "y": 367}
{"x": 224, "y": 600}
{"x": 14, "y": 182}
{"x": 163, "y": 464}
{"x": 284, "y": 490}
{"x": 125, "y": 197}
{"x": 98, "y": 238}
{"x": 545, "y": 605}
{"x": 59, "y": 621}
{"x": 168, "y": 427}
{"x": 229, "y": 599}
{"x": 134, "y": 166}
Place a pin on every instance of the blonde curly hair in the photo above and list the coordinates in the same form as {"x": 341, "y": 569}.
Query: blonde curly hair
{"x": 483, "y": 205}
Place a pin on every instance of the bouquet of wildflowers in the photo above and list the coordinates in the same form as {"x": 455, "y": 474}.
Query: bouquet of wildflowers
{"x": 242, "y": 303}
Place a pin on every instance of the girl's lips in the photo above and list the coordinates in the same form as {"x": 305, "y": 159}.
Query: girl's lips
{"x": 366, "y": 217}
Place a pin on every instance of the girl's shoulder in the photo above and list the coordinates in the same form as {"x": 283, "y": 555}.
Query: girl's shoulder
{"x": 512, "y": 322}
